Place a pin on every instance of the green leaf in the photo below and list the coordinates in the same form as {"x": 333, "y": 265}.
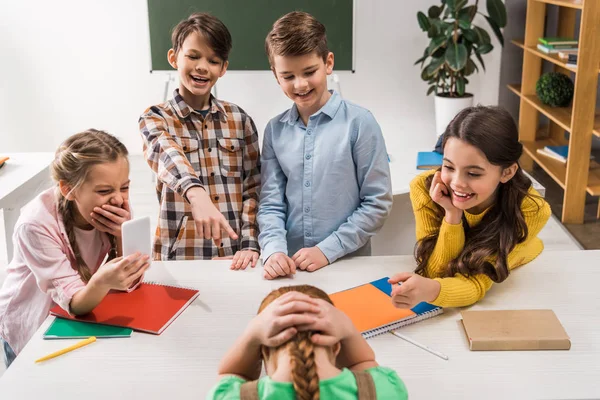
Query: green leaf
{"x": 460, "y": 4}
{"x": 485, "y": 48}
{"x": 420, "y": 60}
{"x": 497, "y": 12}
{"x": 435, "y": 44}
{"x": 424, "y": 75}
{"x": 423, "y": 21}
{"x": 434, "y": 12}
{"x": 433, "y": 31}
{"x": 435, "y": 65}
{"x": 460, "y": 86}
{"x": 496, "y": 29}
{"x": 471, "y": 35}
{"x": 464, "y": 24}
{"x": 470, "y": 67}
{"x": 484, "y": 37}
{"x": 480, "y": 60}
{"x": 456, "y": 56}
{"x": 431, "y": 90}
{"x": 468, "y": 13}
{"x": 450, "y": 4}
{"x": 439, "y": 53}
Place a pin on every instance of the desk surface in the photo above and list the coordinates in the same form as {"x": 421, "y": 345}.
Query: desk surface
{"x": 20, "y": 169}
{"x": 181, "y": 363}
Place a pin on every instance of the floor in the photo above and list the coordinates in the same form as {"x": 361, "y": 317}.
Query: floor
{"x": 144, "y": 202}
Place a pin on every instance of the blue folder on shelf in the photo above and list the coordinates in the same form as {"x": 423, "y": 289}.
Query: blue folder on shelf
{"x": 429, "y": 160}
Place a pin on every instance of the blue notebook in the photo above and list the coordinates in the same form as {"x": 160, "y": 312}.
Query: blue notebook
{"x": 560, "y": 151}
{"x": 429, "y": 160}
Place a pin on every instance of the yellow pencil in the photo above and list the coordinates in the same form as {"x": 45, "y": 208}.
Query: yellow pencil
{"x": 87, "y": 341}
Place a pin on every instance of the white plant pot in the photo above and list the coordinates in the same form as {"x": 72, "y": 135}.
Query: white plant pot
{"x": 446, "y": 109}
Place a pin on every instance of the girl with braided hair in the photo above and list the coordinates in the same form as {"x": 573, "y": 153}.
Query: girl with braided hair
{"x": 63, "y": 237}
{"x": 310, "y": 349}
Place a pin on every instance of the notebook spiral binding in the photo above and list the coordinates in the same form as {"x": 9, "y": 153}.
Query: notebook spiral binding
{"x": 155, "y": 283}
{"x": 396, "y": 325}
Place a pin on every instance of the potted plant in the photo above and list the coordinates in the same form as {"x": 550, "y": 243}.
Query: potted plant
{"x": 455, "y": 43}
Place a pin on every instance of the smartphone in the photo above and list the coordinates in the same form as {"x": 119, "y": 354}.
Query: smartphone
{"x": 137, "y": 237}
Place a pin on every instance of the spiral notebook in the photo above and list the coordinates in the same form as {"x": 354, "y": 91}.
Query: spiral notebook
{"x": 149, "y": 308}
{"x": 370, "y": 308}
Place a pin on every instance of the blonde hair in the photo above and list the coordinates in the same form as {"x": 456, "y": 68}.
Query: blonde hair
{"x": 301, "y": 349}
{"x": 72, "y": 163}
{"x": 296, "y": 34}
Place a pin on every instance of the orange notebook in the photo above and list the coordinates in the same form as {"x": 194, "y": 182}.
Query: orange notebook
{"x": 150, "y": 308}
{"x": 370, "y": 308}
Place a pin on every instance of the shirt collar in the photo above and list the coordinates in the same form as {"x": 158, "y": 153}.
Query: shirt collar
{"x": 183, "y": 110}
{"x": 330, "y": 109}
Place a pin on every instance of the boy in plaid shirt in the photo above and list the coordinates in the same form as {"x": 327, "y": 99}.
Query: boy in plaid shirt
{"x": 205, "y": 155}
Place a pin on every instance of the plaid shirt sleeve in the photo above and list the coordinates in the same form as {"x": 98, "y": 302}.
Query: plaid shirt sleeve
{"x": 164, "y": 154}
{"x": 251, "y": 187}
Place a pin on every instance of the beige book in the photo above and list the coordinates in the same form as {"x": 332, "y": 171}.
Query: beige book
{"x": 514, "y": 330}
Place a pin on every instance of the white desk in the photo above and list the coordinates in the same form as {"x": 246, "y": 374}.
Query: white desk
{"x": 182, "y": 362}
{"x": 22, "y": 177}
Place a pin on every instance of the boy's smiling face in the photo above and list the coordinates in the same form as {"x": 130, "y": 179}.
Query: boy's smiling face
{"x": 199, "y": 69}
{"x": 304, "y": 80}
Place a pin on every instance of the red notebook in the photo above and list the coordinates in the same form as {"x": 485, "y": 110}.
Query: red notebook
{"x": 149, "y": 308}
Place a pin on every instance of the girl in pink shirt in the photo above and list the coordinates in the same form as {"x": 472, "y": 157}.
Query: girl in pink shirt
{"x": 63, "y": 237}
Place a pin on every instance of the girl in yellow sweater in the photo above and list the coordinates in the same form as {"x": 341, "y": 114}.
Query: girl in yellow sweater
{"x": 477, "y": 217}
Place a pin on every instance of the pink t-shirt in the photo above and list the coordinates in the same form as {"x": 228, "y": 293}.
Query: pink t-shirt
{"x": 41, "y": 272}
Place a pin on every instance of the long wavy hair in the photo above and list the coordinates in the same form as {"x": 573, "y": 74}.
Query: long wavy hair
{"x": 493, "y": 131}
{"x": 72, "y": 163}
{"x": 300, "y": 347}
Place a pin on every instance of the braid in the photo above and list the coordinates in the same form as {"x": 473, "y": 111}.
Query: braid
{"x": 112, "y": 254}
{"x": 65, "y": 207}
{"x": 304, "y": 369}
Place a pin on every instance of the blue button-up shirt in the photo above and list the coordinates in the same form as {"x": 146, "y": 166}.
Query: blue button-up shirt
{"x": 326, "y": 184}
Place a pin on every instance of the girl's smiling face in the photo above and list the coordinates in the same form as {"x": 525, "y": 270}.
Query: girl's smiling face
{"x": 470, "y": 178}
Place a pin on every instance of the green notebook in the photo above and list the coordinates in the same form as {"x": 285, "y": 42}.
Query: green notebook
{"x": 68, "y": 329}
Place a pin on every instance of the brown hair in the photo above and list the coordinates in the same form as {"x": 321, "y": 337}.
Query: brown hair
{"x": 300, "y": 347}
{"x": 72, "y": 163}
{"x": 296, "y": 34}
{"x": 210, "y": 27}
{"x": 493, "y": 131}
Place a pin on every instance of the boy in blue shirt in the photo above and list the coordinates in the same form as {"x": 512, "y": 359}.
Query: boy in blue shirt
{"x": 325, "y": 174}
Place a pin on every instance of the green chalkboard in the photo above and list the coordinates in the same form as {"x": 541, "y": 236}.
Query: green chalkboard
{"x": 249, "y": 21}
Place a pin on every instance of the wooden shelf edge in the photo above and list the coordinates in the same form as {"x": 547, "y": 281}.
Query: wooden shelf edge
{"x": 549, "y": 112}
{"x": 578, "y": 4}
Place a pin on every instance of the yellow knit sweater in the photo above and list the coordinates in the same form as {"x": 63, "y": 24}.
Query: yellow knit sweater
{"x": 459, "y": 291}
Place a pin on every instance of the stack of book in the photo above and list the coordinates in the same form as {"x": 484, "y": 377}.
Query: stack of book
{"x": 572, "y": 60}
{"x": 554, "y": 45}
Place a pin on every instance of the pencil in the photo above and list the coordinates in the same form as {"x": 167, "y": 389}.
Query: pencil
{"x": 422, "y": 346}
{"x": 77, "y": 345}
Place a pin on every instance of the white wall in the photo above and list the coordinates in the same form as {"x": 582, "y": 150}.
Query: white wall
{"x": 69, "y": 65}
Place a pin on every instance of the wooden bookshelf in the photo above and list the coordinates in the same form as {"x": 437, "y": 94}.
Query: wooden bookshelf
{"x": 553, "y": 58}
{"x": 577, "y": 4}
{"x": 560, "y": 115}
{"x": 558, "y": 170}
{"x": 580, "y": 119}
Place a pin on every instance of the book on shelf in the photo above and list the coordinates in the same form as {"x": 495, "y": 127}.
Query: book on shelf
{"x": 554, "y": 49}
{"x": 558, "y": 153}
{"x": 571, "y": 64}
{"x": 565, "y": 54}
{"x": 551, "y": 41}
